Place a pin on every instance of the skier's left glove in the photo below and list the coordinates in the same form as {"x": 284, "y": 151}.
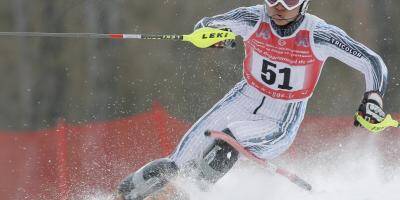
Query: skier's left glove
{"x": 371, "y": 108}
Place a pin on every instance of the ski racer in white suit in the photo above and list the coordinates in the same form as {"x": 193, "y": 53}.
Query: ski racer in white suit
{"x": 285, "y": 49}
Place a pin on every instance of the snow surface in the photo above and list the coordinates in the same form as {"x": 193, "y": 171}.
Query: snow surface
{"x": 349, "y": 172}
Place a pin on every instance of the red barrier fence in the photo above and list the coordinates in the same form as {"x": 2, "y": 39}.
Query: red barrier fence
{"x": 71, "y": 159}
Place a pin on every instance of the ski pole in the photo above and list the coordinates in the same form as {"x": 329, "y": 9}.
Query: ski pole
{"x": 201, "y": 38}
{"x": 231, "y": 141}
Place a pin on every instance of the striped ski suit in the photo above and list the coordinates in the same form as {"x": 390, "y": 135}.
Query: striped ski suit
{"x": 281, "y": 68}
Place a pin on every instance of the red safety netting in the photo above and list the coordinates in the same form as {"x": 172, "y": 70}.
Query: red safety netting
{"x": 69, "y": 159}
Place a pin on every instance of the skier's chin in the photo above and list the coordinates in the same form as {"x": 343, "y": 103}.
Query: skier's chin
{"x": 281, "y": 22}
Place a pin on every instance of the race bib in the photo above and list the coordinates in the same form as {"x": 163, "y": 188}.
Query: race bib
{"x": 281, "y": 68}
{"x": 278, "y": 76}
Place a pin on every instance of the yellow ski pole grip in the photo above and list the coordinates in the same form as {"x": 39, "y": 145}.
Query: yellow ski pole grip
{"x": 376, "y": 128}
{"x": 206, "y": 37}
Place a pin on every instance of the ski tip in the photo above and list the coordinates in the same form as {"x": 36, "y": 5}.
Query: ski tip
{"x": 309, "y": 187}
{"x": 207, "y": 133}
{"x": 303, "y": 184}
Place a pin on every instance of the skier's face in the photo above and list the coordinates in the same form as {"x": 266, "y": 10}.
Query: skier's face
{"x": 282, "y": 16}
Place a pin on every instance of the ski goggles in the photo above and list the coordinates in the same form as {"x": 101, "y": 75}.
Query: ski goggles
{"x": 288, "y": 4}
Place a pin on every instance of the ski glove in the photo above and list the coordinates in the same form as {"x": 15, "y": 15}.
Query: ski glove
{"x": 229, "y": 44}
{"x": 371, "y": 108}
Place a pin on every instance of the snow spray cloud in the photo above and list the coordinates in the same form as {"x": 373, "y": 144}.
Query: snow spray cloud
{"x": 351, "y": 171}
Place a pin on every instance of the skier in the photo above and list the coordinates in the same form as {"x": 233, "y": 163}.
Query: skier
{"x": 285, "y": 49}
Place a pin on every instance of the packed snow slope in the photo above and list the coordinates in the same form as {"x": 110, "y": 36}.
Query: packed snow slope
{"x": 354, "y": 170}
{"x": 350, "y": 172}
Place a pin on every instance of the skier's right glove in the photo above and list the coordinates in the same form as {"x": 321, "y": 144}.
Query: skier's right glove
{"x": 229, "y": 44}
{"x": 371, "y": 108}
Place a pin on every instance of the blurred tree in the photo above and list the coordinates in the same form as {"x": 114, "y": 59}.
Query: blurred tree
{"x": 49, "y": 70}
{"x": 25, "y": 106}
{"x": 386, "y": 27}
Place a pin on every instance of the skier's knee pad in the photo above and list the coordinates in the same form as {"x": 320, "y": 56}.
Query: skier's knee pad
{"x": 218, "y": 159}
{"x": 147, "y": 180}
